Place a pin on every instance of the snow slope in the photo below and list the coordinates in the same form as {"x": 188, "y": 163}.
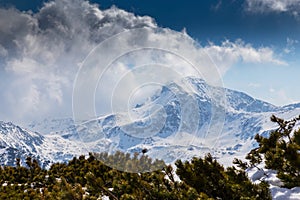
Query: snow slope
{"x": 16, "y": 142}
{"x": 181, "y": 120}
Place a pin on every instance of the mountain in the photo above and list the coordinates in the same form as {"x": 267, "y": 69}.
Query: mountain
{"x": 17, "y": 142}
{"x": 181, "y": 120}
{"x": 49, "y": 126}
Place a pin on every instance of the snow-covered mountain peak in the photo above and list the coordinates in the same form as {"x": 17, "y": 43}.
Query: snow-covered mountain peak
{"x": 12, "y": 134}
{"x": 17, "y": 142}
{"x": 180, "y": 120}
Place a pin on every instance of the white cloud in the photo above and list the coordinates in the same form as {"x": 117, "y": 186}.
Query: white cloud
{"x": 290, "y": 46}
{"x": 229, "y": 53}
{"x": 280, "y": 95}
{"x": 3, "y": 52}
{"x": 263, "y": 6}
{"x": 254, "y": 85}
{"x": 217, "y": 6}
{"x": 40, "y": 52}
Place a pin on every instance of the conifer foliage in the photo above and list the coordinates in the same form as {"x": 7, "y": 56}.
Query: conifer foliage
{"x": 88, "y": 178}
{"x": 280, "y": 151}
{"x": 209, "y": 178}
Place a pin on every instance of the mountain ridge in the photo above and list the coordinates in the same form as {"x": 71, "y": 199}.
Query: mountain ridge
{"x": 176, "y": 123}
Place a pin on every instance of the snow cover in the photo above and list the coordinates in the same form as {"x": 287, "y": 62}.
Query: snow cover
{"x": 174, "y": 123}
{"x": 278, "y": 192}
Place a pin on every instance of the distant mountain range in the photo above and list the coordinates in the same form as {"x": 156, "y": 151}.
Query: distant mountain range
{"x": 181, "y": 120}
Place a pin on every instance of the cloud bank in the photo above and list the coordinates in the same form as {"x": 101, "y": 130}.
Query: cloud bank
{"x": 40, "y": 53}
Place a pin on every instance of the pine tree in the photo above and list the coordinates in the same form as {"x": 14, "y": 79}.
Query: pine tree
{"x": 281, "y": 151}
{"x": 208, "y": 177}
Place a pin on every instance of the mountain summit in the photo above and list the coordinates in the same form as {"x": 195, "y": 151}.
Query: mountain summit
{"x": 181, "y": 120}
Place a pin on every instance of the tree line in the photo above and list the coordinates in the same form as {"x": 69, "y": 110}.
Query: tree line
{"x": 199, "y": 178}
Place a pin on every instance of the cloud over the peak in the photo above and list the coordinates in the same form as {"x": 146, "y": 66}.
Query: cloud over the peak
{"x": 40, "y": 53}
{"x": 229, "y": 53}
{"x": 265, "y": 6}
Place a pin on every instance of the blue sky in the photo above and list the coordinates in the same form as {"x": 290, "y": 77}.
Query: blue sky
{"x": 217, "y": 20}
{"x": 255, "y": 42}
{"x": 205, "y": 20}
